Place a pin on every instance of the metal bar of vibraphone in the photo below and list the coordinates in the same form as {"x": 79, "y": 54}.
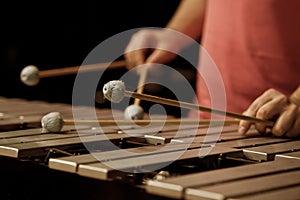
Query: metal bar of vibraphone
{"x": 235, "y": 140}
{"x": 201, "y": 130}
{"x": 34, "y": 135}
{"x": 101, "y": 170}
{"x": 290, "y": 193}
{"x": 71, "y": 163}
{"x": 170, "y": 134}
{"x": 290, "y": 155}
{"x": 202, "y": 133}
{"x": 37, "y": 148}
{"x": 20, "y": 133}
{"x": 23, "y": 133}
{"x": 29, "y": 108}
{"x": 268, "y": 152}
{"x": 253, "y": 142}
{"x": 244, "y": 187}
{"x": 174, "y": 187}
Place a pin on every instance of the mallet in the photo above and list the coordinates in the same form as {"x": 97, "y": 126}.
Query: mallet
{"x": 31, "y": 75}
{"x": 115, "y": 92}
{"x": 135, "y": 111}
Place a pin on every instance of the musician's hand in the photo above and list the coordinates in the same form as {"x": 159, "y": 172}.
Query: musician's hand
{"x": 273, "y": 105}
{"x": 137, "y": 53}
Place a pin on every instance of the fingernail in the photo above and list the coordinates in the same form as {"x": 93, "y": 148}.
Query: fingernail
{"x": 242, "y": 130}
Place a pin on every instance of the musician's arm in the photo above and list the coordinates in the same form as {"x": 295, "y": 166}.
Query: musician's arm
{"x": 275, "y": 105}
{"x": 188, "y": 18}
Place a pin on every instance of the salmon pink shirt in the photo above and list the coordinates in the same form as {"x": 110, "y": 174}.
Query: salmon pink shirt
{"x": 255, "y": 45}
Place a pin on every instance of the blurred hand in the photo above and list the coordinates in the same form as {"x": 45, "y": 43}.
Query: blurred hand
{"x": 273, "y": 105}
{"x": 153, "y": 46}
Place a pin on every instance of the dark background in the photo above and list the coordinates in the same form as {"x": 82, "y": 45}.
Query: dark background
{"x": 56, "y": 34}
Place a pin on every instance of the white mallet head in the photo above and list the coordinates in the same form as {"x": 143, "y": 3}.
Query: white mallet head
{"x": 114, "y": 91}
{"x": 30, "y": 75}
{"x": 134, "y": 112}
{"x": 52, "y": 122}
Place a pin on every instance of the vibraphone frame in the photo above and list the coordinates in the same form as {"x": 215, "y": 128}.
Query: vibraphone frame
{"x": 38, "y": 165}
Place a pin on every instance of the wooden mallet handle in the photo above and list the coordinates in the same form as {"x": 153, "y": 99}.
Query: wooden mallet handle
{"x": 83, "y": 68}
{"x": 191, "y": 106}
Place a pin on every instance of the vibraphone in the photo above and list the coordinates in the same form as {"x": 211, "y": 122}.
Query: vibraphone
{"x": 39, "y": 165}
